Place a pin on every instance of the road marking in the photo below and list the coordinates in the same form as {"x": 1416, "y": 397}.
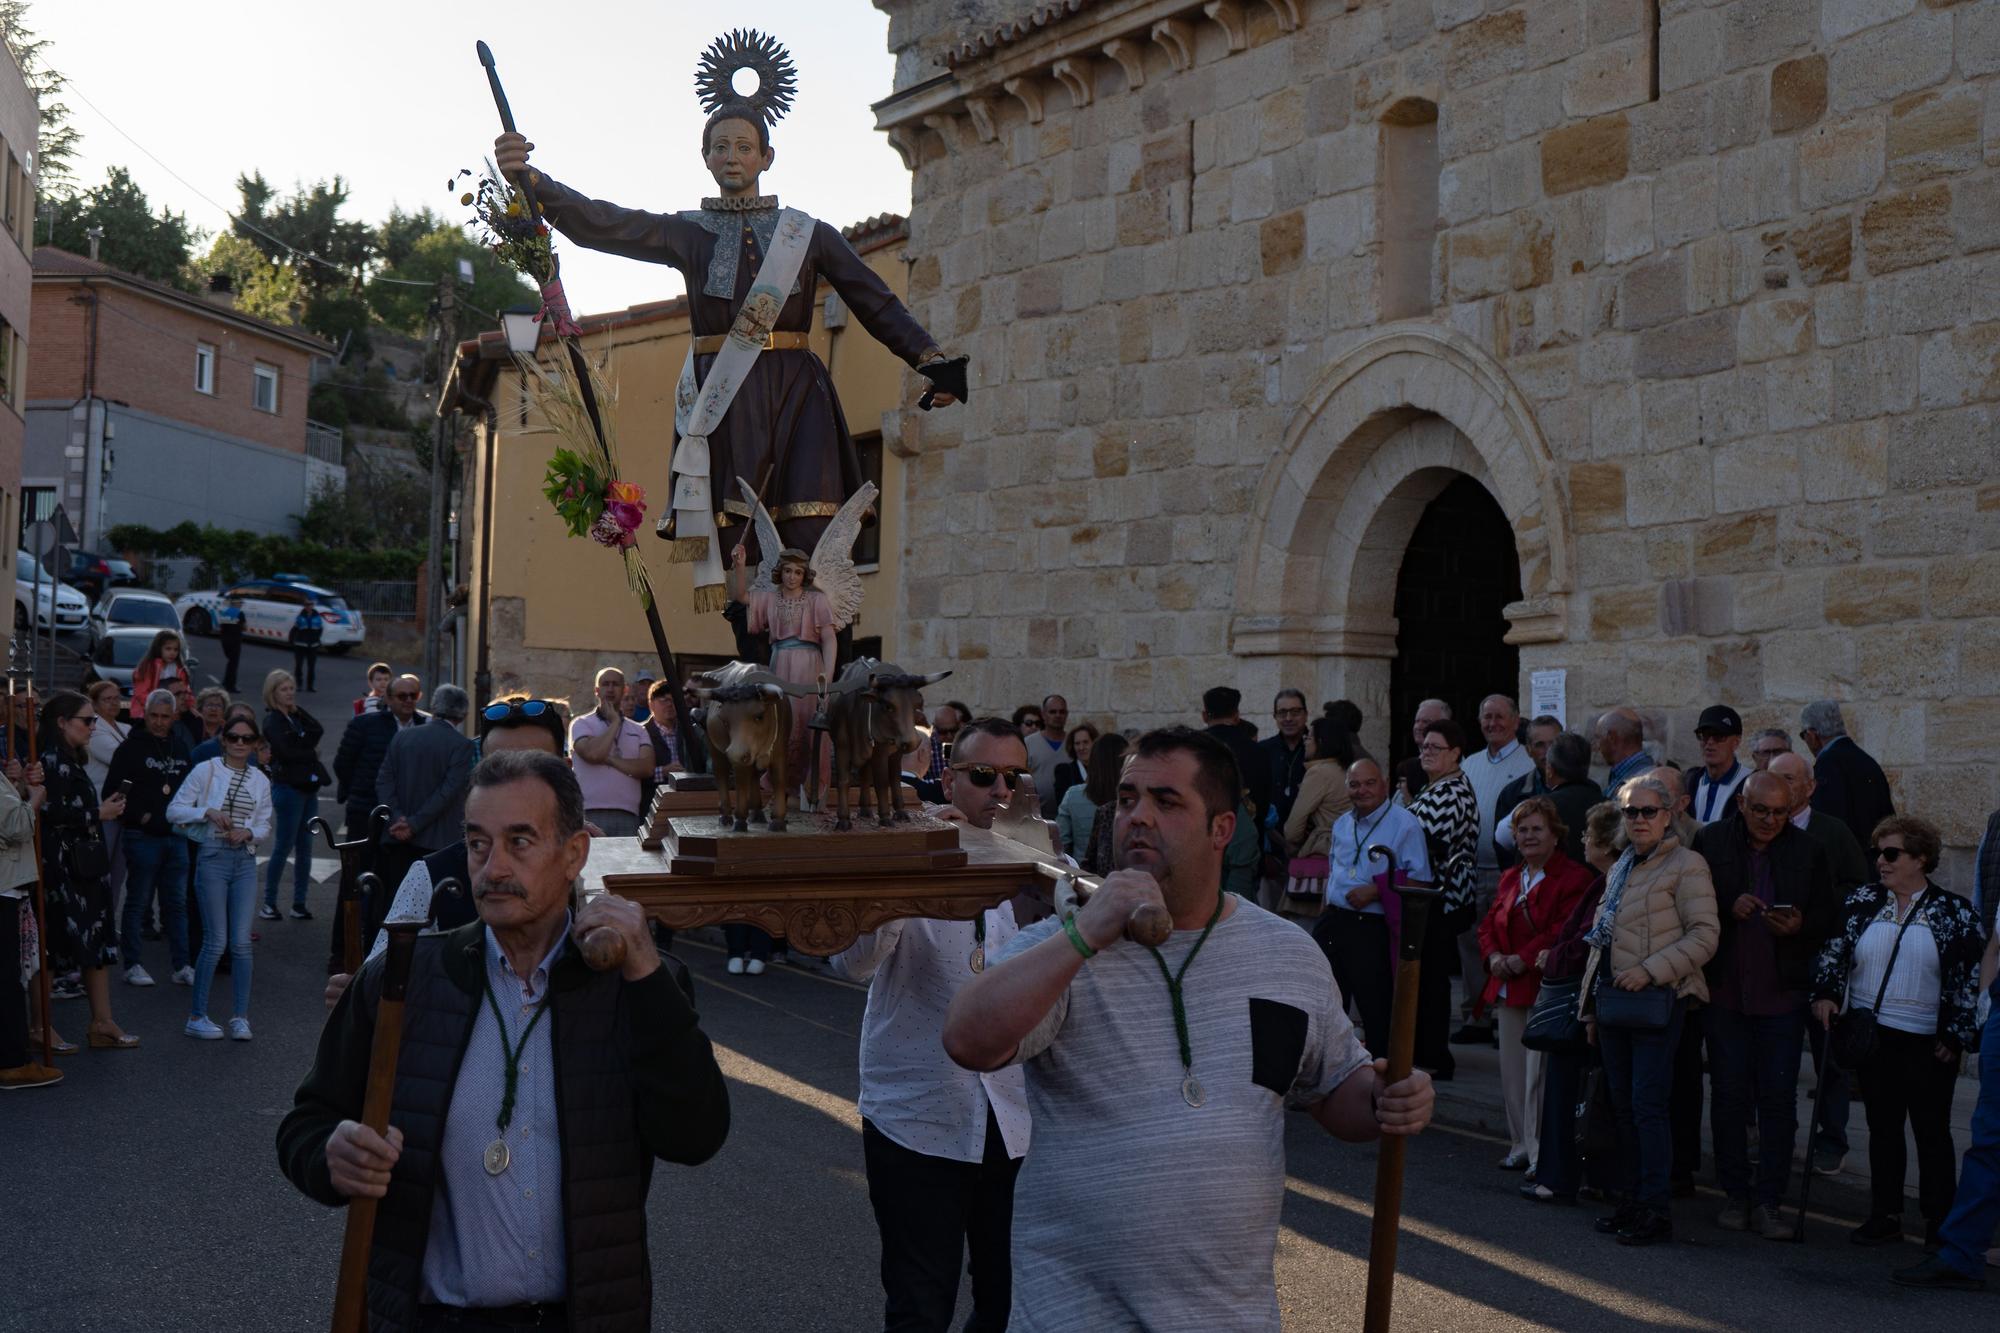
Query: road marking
{"x": 741, "y": 994}
{"x": 820, "y": 977}
{"x": 740, "y": 1067}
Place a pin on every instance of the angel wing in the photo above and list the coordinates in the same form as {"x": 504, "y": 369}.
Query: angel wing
{"x": 833, "y": 557}
{"x": 767, "y": 540}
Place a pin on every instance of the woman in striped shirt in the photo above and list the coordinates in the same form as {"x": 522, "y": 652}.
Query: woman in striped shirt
{"x": 225, "y": 807}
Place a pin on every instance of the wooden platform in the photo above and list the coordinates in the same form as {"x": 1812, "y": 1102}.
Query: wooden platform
{"x": 817, "y": 908}
{"x": 809, "y": 845}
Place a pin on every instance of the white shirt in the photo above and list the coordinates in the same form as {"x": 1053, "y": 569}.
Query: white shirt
{"x": 1709, "y": 799}
{"x": 1348, "y": 864}
{"x": 1489, "y": 774}
{"x": 910, "y": 1089}
{"x": 1910, "y": 1001}
{"x": 105, "y": 738}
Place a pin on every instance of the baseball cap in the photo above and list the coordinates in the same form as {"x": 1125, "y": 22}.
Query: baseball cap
{"x": 1720, "y": 719}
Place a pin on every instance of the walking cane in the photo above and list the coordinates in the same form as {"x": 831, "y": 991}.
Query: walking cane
{"x": 41, "y": 893}
{"x": 1826, "y": 1072}
{"x": 1416, "y": 900}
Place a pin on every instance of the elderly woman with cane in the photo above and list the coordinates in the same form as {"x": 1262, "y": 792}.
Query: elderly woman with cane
{"x": 1655, "y": 929}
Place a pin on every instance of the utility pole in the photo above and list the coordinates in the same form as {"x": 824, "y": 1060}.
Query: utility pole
{"x": 440, "y": 478}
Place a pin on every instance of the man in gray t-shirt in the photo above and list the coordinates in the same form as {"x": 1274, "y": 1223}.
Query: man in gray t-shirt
{"x": 1151, "y": 1195}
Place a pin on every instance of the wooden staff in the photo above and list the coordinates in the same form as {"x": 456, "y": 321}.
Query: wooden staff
{"x": 1416, "y": 900}
{"x": 350, "y": 1301}
{"x": 41, "y": 893}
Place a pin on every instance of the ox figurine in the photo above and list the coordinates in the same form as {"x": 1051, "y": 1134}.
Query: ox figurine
{"x": 871, "y": 715}
{"x": 747, "y": 719}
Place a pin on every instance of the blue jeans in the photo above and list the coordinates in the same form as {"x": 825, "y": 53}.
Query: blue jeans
{"x": 1639, "y": 1069}
{"x": 1975, "y": 1212}
{"x": 1755, "y": 1062}
{"x": 291, "y": 820}
{"x": 225, "y": 882}
{"x": 155, "y": 862}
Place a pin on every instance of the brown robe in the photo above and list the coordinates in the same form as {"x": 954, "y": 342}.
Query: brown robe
{"x": 785, "y": 414}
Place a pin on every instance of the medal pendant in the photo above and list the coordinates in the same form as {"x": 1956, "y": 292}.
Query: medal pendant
{"x": 978, "y": 958}
{"x": 497, "y": 1157}
{"x": 1191, "y": 1090}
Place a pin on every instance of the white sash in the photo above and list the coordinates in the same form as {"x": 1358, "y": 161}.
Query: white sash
{"x": 697, "y": 412}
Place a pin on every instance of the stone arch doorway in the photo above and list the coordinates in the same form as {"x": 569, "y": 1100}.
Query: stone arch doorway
{"x": 1391, "y": 425}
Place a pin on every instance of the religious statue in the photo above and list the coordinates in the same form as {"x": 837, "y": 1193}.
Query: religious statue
{"x": 753, "y": 399}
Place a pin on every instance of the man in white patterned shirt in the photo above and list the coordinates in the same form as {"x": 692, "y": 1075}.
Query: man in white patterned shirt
{"x": 942, "y": 1144}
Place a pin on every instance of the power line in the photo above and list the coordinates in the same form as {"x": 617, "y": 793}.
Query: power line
{"x": 216, "y": 351}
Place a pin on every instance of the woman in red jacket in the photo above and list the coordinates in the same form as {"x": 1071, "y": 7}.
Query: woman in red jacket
{"x": 1533, "y": 901}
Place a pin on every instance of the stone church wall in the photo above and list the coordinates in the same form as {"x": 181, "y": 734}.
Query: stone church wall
{"x": 1715, "y": 316}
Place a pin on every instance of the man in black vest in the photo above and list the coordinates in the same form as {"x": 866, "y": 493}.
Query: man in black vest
{"x": 492, "y": 1138}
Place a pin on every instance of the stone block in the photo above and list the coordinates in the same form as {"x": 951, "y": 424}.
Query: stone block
{"x": 1756, "y": 474}
{"x": 1840, "y": 161}
{"x": 1781, "y": 326}
{"x": 1975, "y": 208}
{"x": 1676, "y": 128}
{"x": 1959, "y": 730}
{"x": 1798, "y": 93}
{"x": 1979, "y": 658}
{"x": 1937, "y": 449}
{"x": 1281, "y": 242}
{"x": 1696, "y": 346}
{"x": 1821, "y": 250}
{"x": 1739, "y": 108}
{"x": 1515, "y": 167}
{"x": 1875, "y": 594}
{"x": 1933, "y": 134}
{"x": 1966, "y": 586}
{"x": 1734, "y": 669}
{"x": 1716, "y": 275}
{"x": 1684, "y": 202}
{"x": 1978, "y": 40}
{"x": 1607, "y": 78}
{"x": 1465, "y": 191}
{"x": 1818, "y": 535}
{"x": 1691, "y": 49}
{"x": 1757, "y": 32}
{"x": 1670, "y": 415}
{"x": 1960, "y": 366}
{"x": 1843, "y": 18}
{"x": 1958, "y": 799}
{"x": 1846, "y": 462}
{"x": 1597, "y": 496}
{"x": 1652, "y": 294}
{"x": 1839, "y": 313}
{"x": 1625, "y": 613}
{"x": 1907, "y": 661}
{"x": 1757, "y": 184}
{"x": 1738, "y": 544}
{"x": 1614, "y": 423}
{"x": 1487, "y": 48}
{"x": 1884, "y": 63}
{"x": 1667, "y": 675}
{"x": 1922, "y": 524}
{"x": 1733, "y": 404}
{"x": 1905, "y": 230}
{"x": 1779, "y": 601}
{"x": 1872, "y": 378}
{"x": 1668, "y": 488}
{"x": 1590, "y": 152}
{"x": 1801, "y": 393}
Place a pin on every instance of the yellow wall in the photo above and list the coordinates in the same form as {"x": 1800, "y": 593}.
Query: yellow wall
{"x": 573, "y": 590}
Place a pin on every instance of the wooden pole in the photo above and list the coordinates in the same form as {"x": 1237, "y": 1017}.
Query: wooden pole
{"x": 41, "y": 894}
{"x": 1390, "y": 1149}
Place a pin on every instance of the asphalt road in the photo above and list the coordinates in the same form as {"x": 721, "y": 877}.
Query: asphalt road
{"x": 144, "y": 1194}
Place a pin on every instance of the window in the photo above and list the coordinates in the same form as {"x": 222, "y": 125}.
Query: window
{"x": 868, "y": 546}
{"x": 204, "y": 370}
{"x": 1407, "y": 208}
{"x": 264, "y": 387}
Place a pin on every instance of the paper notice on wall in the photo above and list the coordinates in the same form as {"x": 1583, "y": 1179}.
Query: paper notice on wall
{"x": 1547, "y": 690}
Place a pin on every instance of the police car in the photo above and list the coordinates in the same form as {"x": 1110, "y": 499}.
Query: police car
{"x": 269, "y": 608}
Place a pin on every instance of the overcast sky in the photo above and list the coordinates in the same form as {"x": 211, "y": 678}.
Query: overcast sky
{"x": 392, "y": 96}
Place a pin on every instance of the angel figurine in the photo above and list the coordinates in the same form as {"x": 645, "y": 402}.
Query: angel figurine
{"x": 801, "y": 601}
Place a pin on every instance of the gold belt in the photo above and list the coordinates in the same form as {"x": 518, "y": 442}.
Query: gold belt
{"x": 773, "y": 342}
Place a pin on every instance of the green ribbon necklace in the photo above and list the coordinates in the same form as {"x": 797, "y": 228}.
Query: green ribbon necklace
{"x": 497, "y": 1156}
{"x": 1191, "y": 1089}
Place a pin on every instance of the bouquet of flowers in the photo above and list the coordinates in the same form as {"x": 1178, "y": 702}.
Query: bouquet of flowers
{"x": 606, "y": 510}
{"x": 519, "y": 239}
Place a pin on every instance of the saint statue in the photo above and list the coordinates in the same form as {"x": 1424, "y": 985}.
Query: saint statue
{"x": 754, "y": 401}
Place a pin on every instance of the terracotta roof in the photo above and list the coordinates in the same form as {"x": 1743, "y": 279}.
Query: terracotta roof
{"x": 986, "y": 43}
{"x": 873, "y": 233}
{"x": 51, "y": 262}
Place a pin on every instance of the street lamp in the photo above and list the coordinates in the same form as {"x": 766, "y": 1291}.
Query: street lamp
{"x": 523, "y": 326}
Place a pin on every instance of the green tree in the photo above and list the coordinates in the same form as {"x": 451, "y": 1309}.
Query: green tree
{"x": 55, "y": 156}
{"x": 136, "y": 239}
{"x": 264, "y": 289}
{"x": 408, "y": 308}
{"x": 331, "y": 253}
{"x": 395, "y": 238}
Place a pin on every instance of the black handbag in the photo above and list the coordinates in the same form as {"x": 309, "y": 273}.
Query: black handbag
{"x": 1856, "y": 1034}
{"x": 1552, "y": 1023}
{"x": 89, "y": 858}
{"x": 1647, "y": 1010}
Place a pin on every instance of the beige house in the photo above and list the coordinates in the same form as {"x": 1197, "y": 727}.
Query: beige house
{"x": 543, "y": 610}
{"x": 1392, "y": 349}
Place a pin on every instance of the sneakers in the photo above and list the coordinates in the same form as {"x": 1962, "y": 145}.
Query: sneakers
{"x": 1770, "y": 1223}
{"x": 1514, "y": 1161}
{"x": 136, "y": 975}
{"x": 1933, "y": 1273}
{"x": 184, "y": 976}
{"x": 1877, "y": 1231}
{"x": 239, "y": 1028}
{"x": 65, "y": 988}
{"x": 266, "y": 912}
{"x": 1543, "y": 1194}
{"x": 1648, "y": 1228}
{"x": 1827, "y": 1161}
{"x": 299, "y": 912}
{"x": 29, "y": 1075}
{"x": 202, "y": 1029}
{"x": 735, "y": 967}
{"x": 1614, "y": 1223}
{"x": 1735, "y": 1215}
{"x": 755, "y": 967}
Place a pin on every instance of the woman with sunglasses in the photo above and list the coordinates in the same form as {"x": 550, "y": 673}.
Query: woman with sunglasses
{"x": 1908, "y": 956}
{"x": 296, "y": 778}
{"x": 224, "y": 807}
{"x": 75, "y": 864}
{"x": 1655, "y": 929}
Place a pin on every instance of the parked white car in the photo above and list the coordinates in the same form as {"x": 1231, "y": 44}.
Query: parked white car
{"x": 123, "y": 607}
{"x": 117, "y": 652}
{"x": 269, "y": 608}
{"x": 54, "y": 603}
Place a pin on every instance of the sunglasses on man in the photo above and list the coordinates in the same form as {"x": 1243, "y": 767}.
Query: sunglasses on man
{"x": 500, "y": 712}
{"x": 985, "y": 775}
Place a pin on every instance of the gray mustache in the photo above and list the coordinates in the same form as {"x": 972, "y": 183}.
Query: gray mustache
{"x": 483, "y": 891}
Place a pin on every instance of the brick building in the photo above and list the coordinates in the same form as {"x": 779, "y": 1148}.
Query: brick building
{"x": 1405, "y": 347}
{"x": 146, "y": 404}
{"x": 20, "y": 126}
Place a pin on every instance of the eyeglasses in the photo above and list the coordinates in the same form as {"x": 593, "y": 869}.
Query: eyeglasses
{"x": 1031, "y": 724}
{"x": 405, "y": 696}
{"x": 517, "y": 708}
{"x": 1889, "y": 854}
{"x": 88, "y": 719}
{"x": 239, "y": 737}
{"x": 1765, "y": 812}
{"x": 1771, "y": 751}
{"x": 985, "y": 775}
{"x": 1644, "y": 811}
